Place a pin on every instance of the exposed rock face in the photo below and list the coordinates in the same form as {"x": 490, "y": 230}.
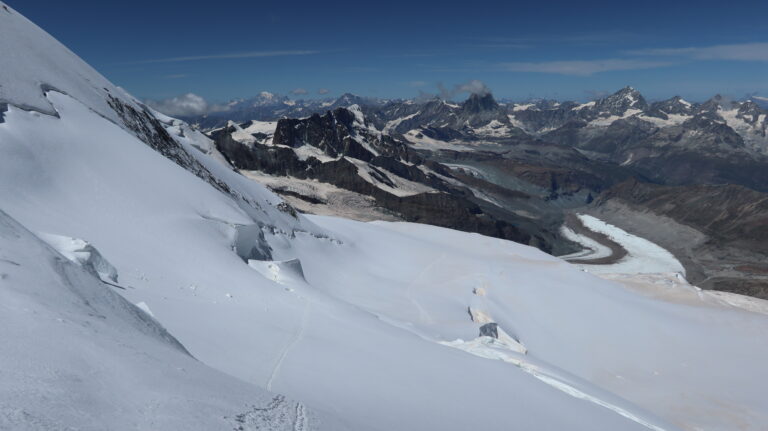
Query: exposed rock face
{"x": 147, "y": 128}
{"x": 674, "y": 106}
{"x": 490, "y": 330}
{"x": 477, "y": 103}
{"x": 750, "y": 112}
{"x": 537, "y": 122}
{"x": 730, "y": 214}
{"x": 700, "y": 150}
{"x": 539, "y": 119}
{"x": 434, "y": 112}
{"x": 480, "y": 110}
{"x": 479, "y": 117}
{"x": 340, "y": 132}
{"x": 620, "y": 102}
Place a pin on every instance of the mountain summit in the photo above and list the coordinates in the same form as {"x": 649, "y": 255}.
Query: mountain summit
{"x": 619, "y": 102}
{"x": 477, "y": 103}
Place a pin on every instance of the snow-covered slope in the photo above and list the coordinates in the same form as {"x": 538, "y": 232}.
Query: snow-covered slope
{"x": 384, "y": 326}
{"x": 33, "y": 61}
{"x": 78, "y": 356}
{"x": 657, "y": 354}
{"x": 171, "y": 237}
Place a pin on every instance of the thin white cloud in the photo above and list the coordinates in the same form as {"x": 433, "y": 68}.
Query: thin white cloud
{"x": 496, "y": 44}
{"x": 251, "y": 54}
{"x": 578, "y": 39}
{"x": 472, "y": 87}
{"x": 583, "y": 67}
{"x": 761, "y": 98}
{"x": 757, "y": 51}
{"x": 299, "y": 91}
{"x": 323, "y": 91}
{"x": 186, "y": 105}
{"x": 663, "y": 57}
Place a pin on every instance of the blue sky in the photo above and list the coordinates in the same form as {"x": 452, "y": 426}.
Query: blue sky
{"x": 229, "y": 49}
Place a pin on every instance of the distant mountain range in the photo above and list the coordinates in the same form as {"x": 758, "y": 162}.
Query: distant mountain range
{"x": 269, "y": 107}
{"x": 535, "y": 116}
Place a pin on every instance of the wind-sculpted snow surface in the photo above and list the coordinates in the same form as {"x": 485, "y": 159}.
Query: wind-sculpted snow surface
{"x": 78, "y": 356}
{"x": 83, "y": 254}
{"x": 630, "y": 353}
{"x": 34, "y": 62}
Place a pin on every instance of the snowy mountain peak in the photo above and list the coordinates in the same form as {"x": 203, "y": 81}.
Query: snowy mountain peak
{"x": 750, "y": 108}
{"x": 681, "y": 101}
{"x": 348, "y": 99}
{"x": 265, "y": 98}
{"x": 630, "y": 94}
{"x": 716, "y": 103}
{"x": 618, "y": 103}
{"x": 674, "y": 105}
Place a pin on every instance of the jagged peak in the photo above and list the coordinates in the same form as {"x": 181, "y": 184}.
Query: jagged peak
{"x": 478, "y": 102}
{"x": 626, "y": 98}
{"x": 627, "y": 92}
{"x": 716, "y": 102}
{"x": 673, "y": 104}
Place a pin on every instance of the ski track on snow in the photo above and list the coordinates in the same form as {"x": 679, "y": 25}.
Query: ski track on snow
{"x": 296, "y": 337}
{"x": 423, "y": 313}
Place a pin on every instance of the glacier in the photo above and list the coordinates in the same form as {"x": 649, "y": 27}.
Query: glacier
{"x": 264, "y": 318}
